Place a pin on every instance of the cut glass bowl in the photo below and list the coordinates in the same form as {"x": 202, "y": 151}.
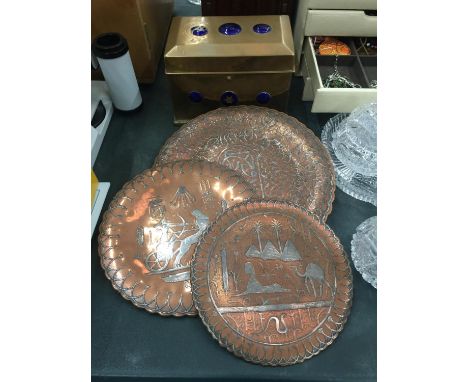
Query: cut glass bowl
{"x": 354, "y": 155}
{"x": 364, "y": 250}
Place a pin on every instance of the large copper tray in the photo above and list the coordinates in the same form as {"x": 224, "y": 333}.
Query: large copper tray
{"x": 271, "y": 283}
{"x": 149, "y": 233}
{"x": 280, "y": 156}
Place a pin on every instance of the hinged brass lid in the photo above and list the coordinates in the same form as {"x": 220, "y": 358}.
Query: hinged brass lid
{"x": 245, "y": 44}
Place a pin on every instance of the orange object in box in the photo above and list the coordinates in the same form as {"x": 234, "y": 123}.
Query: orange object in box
{"x": 94, "y": 186}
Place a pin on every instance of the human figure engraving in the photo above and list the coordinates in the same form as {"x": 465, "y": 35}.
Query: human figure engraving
{"x": 201, "y": 221}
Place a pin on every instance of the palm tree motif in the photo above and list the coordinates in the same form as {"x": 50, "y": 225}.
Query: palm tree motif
{"x": 182, "y": 198}
{"x": 277, "y": 229}
{"x": 271, "y": 251}
{"x": 201, "y": 222}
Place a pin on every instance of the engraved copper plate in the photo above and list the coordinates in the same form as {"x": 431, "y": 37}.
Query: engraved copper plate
{"x": 280, "y": 156}
{"x": 271, "y": 283}
{"x": 148, "y": 235}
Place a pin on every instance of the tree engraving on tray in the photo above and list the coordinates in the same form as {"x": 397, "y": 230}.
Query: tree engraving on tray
{"x": 256, "y": 164}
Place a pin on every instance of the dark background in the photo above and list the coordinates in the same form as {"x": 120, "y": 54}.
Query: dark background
{"x": 130, "y": 344}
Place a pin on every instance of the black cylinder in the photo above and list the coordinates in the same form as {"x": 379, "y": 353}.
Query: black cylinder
{"x": 109, "y": 45}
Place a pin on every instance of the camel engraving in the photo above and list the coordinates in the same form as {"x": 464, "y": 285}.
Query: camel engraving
{"x": 253, "y": 286}
{"x": 313, "y": 273}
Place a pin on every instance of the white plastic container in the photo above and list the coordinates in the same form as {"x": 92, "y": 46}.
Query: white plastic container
{"x": 111, "y": 51}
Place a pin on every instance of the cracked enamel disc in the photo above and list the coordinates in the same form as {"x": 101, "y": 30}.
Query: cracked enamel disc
{"x": 276, "y": 153}
{"x": 271, "y": 283}
{"x": 150, "y": 231}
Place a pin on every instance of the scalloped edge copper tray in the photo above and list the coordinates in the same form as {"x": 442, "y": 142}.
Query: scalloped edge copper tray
{"x": 239, "y": 125}
{"x": 242, "y": 346}
{"x": 117, "y": 256}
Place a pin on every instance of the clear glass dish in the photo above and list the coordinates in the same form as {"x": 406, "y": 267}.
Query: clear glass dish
{"x": 354, "y": 156}
{"x": 364, "y": 250}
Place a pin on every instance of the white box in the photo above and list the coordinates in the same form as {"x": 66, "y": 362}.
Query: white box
{"x": 337, "y": 100}
{"x": 99, "y": 92}
{"x": 344, "y": 18}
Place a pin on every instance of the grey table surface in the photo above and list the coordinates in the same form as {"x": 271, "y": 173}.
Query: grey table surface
{"x": 130, "y": 344}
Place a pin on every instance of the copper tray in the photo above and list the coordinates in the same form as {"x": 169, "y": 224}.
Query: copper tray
{"x": 271, "y": 283}
{"x": 280, "y": 156}
{"x": 148, "y": 234}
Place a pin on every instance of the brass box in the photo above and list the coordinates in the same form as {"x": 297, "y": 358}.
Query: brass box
{"x": 219, "y": 61}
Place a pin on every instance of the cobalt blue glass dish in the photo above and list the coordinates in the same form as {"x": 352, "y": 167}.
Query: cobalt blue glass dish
{"x": 199, "y": 30}
{"x": 230, "y": 29}
{"x": 262, "y": 28}
{"x": 195, "y": 96}
{"x": 229, "y": 98}
{"x": 263, "y": 97}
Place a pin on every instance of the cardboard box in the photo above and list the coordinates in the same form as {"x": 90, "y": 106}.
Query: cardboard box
{"x": 144, "y": 23}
